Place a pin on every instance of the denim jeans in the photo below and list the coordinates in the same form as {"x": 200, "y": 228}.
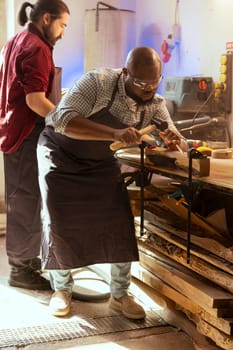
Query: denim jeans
{"x": 120, "y": 279}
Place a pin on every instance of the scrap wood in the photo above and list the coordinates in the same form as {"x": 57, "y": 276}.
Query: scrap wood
{"x": 170, "y": 313}
{"x": 167, "y": 216}
{"x": 181, "y": 211}
{"x": 190, "y": 284}
{"x": 222, "y": 249}
{"x": 186, "y": 305}
{"x": 178, "y": 255}
{"x": 221, "y": 339}
{"x": 177, "y": 246}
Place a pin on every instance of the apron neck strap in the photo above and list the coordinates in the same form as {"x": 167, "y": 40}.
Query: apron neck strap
{"x": 114, "y": 92}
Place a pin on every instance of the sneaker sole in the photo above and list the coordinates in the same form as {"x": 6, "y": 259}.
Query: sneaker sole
{"x": 60, "y": 312}
{"x": 114, "y": 305}
{"x": 27, "y": 286}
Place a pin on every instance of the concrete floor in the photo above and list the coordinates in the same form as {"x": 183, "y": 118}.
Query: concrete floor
{"x": 22, "y": 308}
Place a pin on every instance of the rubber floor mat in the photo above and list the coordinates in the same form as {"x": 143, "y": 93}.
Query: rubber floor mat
{"x": 67, "y": 330}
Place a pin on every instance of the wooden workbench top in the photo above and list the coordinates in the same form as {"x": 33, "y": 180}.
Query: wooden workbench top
{"x": 220, "y": 173}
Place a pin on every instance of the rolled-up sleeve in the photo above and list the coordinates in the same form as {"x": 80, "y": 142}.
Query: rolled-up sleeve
{"x": 79, "y": 100}
{"x": 59, "y": 118}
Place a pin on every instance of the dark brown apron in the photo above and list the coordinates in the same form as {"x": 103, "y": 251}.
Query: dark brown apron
{"x": 87, "y": 217}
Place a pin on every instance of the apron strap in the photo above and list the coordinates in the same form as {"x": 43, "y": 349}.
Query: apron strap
{"x": 113, "y": 93}
{"x": 139, "y": 125}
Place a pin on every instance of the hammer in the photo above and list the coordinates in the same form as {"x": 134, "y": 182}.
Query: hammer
{"x": 155, "y": 124}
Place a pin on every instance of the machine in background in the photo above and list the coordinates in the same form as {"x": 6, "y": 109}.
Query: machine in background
{"x": 197, "y": 112}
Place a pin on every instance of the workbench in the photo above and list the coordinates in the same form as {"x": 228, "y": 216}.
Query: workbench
{"x": 220, "y": 177}
{"x": 201, "y": 288}
{"x": 214, "y": 192}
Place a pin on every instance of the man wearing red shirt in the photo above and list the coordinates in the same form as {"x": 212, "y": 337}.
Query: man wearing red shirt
{"x": 26, "y": 80}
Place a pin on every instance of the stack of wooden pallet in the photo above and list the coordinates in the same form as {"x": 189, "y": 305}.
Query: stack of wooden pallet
{"x": 203, "y": 287}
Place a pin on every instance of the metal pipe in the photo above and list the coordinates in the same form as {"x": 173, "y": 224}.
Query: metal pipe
{"x": 97, "y": 13}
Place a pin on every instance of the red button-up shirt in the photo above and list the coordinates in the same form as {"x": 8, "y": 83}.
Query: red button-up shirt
{"x": 27, "y": 66}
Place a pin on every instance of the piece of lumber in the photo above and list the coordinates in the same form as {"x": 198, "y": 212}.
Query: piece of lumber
{"x": 178, "y": 255}
{"x": 222, "y": 249}
{"x": 189, "y": 284}
{"x": 175, "y": 317}
{"x": 161, "y": 197}
{"x": 182, "y": 212}
{"x": 158, "y": 156}
{"x": 176, "y": 246}
{"x": 210, "y": 315}
{"x": 221, "y": 339}
{"x": 116, "y": 145}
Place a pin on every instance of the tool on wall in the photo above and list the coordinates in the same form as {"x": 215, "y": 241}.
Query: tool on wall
{"x": 173, "y": 39}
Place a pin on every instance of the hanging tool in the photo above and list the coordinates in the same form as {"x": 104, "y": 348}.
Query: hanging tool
{"x": 173, "y": 38}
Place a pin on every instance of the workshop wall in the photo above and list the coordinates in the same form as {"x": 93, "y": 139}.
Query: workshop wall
{"x": 205, "y": 28}
{"x": 75, "y": 35}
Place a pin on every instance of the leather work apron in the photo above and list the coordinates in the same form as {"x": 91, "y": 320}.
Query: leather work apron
{"x": 86, "y": 214}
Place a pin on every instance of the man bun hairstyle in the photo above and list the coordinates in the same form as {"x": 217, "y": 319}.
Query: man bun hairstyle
{"x": 54, "y": 7}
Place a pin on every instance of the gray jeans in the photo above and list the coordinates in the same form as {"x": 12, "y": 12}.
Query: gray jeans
{"x": 119, "y": 284}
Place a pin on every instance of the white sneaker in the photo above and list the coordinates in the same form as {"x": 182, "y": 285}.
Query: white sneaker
{"x": 60, "y": 303}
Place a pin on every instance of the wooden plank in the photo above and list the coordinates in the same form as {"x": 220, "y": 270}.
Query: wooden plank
{"x": 178, "y": 253}
{"x": 159, "y": 194}
{"x": 179, "y": 214}
{"x": 182, "y": 212}
{"x": 162, "y": 156}
{"x": 174, "y": 317}
{"x": 217, "y": 248}
{"x": 210, "y": 315}
{"x": 197, "y": 265}
{"x": 191, "y": 285}
{"x": 196, "y": 251}
{"x": 221, "y": 339}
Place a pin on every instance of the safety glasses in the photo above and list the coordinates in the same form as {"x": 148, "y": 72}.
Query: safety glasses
{"x": 142, "y": 84}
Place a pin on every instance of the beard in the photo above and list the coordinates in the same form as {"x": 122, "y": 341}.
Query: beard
{"x": 48, "y": 34}
{"x": 139, "y": 100}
